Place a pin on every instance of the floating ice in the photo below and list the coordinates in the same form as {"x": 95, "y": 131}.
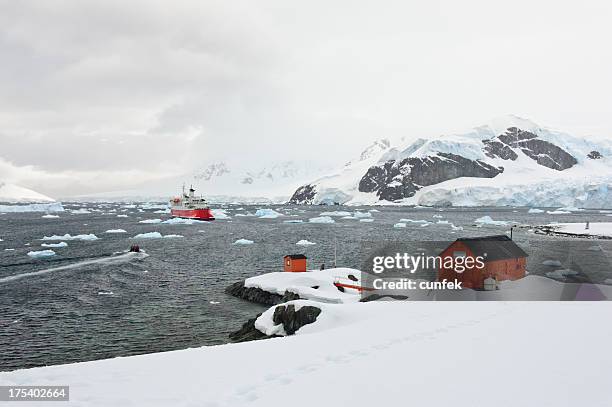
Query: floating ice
{"x": 552, "y": 263}
{"x": 172, "y": 236}
{"x": 41, "y": 254}
{"x": 60, "y": 244}
{"x": 167, "y": 210}
{"x": 348, "y": 217}
{"x": 366, "y": 220}
{"x": 535, "y": 210}
{"x": 403, "y": 220}
{"x": 305, "y": 243}
{"x": 267, "y": 214}
{"x": 41, "y": 207}
{"x": 148, "y": 235}
{"x": 150, "y": 221}
{"x": 362, "y": 215}
{"x": 557, "y": 212}
{"x": 122, "y": 216}
{"x": 486, "y": 220}
{"x": 182, "y": 221}
{"x": 105, "y": 293}
{"x": 336, "y": 213}
{"x": 115, "y": 231}
{"x": 399, "y": 225}
{"x": 67, "y": 236}
{"x": 321, "y": 219}
{"x": 293, "y": 221}
{"x": 81, "y": 211}
{"x": 47, "y": 216}
{"x": 244, "y": 241}
{"x": 220, "y": 214}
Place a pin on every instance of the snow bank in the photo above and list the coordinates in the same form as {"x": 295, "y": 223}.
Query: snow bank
{"x": 305, "y": 243}
{"x": 303, "y": 283}
{"x": 115, "y": 231}
{"x": 41, "y": 254}
{"x": 321, "y": 219}
{"x": 364, "y": 354}
{"x": 486, "y": 220}
{"x": 41, "y": 207}
{"x": 243, "y": 241}
{"x": 88, "y": 237}
{"x": 60, "y": 244}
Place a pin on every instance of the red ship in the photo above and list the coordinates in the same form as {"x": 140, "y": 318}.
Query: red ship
{"x": 190, "y": 206}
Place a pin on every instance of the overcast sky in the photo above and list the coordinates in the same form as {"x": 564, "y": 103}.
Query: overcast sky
{"x": 105, "y": 95}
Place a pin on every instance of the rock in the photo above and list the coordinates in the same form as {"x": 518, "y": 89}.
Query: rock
{"x": 543, "y": 152}
{"x": 594, "y": 155}
{"x": 248, "y": 332}
{"x": 304, "y": 195}
{"x": 293, "y": 320}
{"x": 393, "y": 181}
{"x": 255, "y": 294}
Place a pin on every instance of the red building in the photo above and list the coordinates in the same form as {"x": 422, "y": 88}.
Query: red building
{"x": 295, "y": 263}
{"x": 503, "y": 260}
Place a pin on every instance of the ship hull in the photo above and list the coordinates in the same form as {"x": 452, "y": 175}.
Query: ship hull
{"x": 197, "y": 214}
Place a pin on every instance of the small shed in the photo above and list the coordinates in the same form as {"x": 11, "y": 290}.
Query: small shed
{"x": 503, "y": 260}
{"x": 295, "y": 263}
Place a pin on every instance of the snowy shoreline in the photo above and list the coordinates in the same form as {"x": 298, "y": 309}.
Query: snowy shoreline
{"x": 595, "y": 230}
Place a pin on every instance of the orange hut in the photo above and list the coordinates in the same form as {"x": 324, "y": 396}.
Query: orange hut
{"x": 295, "y": 263}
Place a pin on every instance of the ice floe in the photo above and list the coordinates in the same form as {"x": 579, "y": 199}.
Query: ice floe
{"x": 535, "y": 210}
{"x": 321, "y": 219}
{"x": 41, "y": 254}
{"x": 243, "y": 242}
{"x": 487, "y": 220}
{"x": 267, "y": 214}
{"x": 87, "y": 237}
{"x": 115, "y": 231}
{"x": 39, "y": 207}
{"x": 305, "y": 243}
{"x": 48, "y": 216}
{"x": 399, "y": 225}
{"x": 152, "y": 221}
{"x": 60, "y": 244}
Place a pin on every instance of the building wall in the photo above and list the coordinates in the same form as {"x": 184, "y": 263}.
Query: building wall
{"x": 295, "y": 265}
{"x": 506, "y": 269}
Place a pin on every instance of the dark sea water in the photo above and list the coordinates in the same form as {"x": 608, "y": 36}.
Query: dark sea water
{"x": 174, "y": 298}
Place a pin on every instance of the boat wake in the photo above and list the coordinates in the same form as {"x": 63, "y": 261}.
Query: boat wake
{"x": 110, "y": 260}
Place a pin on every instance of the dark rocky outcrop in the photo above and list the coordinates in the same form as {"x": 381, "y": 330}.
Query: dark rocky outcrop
{"x": 255, "y": 294}
{"x": 594, "y": 155}
{"x": 248, "y": 332}
{"x": 494, "y": 148}
{"x": 392, "y": 180}
{"x": 293, "y": 320}
{"x": 304, "y": 195}
{"x": 543, "y": 152}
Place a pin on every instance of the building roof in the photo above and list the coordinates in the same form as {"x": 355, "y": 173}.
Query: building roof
{"x": 498, "y": 247}
{"x": 295, "y": 256}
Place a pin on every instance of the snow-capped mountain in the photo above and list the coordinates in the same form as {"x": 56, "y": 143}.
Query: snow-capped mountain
{"x": 275, "y": 180}
{"x": 13, "y": 193}
{"x": 508, "y": 161}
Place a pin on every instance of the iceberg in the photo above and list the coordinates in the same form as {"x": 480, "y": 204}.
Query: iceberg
{"x": 41, "y": 254}
{"x": 321, "y": 219}
{"x": 487, "y": 220}
{"x": 67, "y": 236}
{"x": 267, "y": 214}
{"x": 243, "y": 242}
{"x": 40, "y": 207}
{"x": 60, "y": 244}
{"x": 115, "y": 231}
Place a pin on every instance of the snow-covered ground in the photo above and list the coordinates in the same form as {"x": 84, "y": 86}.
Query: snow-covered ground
{"x": 601, "y": 229}
{"x": 382, "y": 353}
{"x": 15, "y": 193}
